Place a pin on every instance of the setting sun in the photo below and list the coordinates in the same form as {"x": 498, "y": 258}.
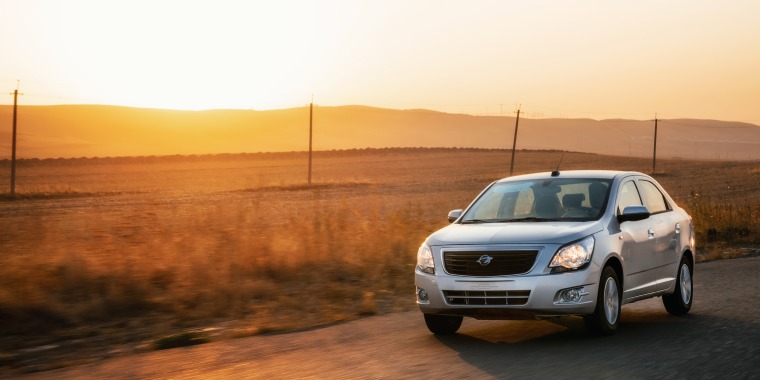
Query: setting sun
{"x": 163, "y": 54}
{"x": 594, "y": 59}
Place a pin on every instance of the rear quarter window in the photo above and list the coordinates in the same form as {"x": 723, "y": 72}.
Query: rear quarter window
{"x": 653, "y": 198}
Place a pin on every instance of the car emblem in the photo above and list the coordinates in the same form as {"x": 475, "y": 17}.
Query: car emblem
{"x": 484, "y": 260}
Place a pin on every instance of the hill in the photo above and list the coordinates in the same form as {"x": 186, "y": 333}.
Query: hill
{"x": 111, "y": 131}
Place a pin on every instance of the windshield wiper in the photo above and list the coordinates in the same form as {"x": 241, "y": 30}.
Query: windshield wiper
{"x": 527, "y": 219}
{"x": 473, "y": 221}
{"x": 530, "y": 219}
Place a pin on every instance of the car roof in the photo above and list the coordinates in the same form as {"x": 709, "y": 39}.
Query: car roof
{"x": 601, "y": 174}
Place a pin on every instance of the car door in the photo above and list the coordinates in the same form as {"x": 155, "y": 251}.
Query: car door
{"x": 639, "y": 246}
{"x": 667, "y": 229}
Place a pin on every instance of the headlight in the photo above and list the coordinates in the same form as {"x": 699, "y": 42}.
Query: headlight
{"x": 425, "y": 260}
{"x": 573, "y": 256}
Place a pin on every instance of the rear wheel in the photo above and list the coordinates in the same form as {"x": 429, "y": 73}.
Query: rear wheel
{"x": 443, "y": 324}
{"x": 606, "y": 317}
{"x": 679, "y": 303}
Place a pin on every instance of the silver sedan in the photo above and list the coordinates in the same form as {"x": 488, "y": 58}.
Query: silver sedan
{"x": 553, "y": 244}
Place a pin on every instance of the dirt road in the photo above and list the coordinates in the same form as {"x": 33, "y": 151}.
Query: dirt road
{"x": 719, "y": 339}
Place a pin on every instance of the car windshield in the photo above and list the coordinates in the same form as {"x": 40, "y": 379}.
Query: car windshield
{"x": 549, "y": 199}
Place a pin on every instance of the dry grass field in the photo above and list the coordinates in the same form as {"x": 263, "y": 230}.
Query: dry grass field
{"x": 108, "y": 255}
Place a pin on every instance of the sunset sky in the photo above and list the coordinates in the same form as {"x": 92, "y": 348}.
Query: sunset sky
{"x": 596, "y": 59}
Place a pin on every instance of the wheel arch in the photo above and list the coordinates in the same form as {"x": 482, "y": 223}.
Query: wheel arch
{"x": 688, "y": 254}
{"x": 617, "y": 265}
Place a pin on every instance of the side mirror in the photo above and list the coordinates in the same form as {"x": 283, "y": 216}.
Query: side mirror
{"x": 633, "y": 213}
{"x": 454, "y": 215}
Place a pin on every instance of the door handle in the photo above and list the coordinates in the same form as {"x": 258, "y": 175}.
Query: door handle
{"x": 678, "y": 228}
{"x": 650, "y": 232}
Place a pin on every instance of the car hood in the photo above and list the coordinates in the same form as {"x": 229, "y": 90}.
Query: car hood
{"x": 513, "y": 233}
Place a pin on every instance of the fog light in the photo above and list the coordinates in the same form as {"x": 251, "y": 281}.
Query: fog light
{"x": 422, "y": 295}
{"x": 571, "y": 295}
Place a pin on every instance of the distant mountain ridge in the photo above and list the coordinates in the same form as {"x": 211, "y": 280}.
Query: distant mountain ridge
{"x": 113, "y": 131}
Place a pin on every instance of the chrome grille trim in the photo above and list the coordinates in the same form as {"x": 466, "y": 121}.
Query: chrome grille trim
{"x": 503, "y": 263}
{"x": 487, "y": 297}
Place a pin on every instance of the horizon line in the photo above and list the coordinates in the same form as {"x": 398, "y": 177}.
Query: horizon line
{"x": 306, "y": 105}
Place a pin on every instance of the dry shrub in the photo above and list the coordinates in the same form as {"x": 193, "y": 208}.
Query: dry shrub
{"x": 729, "y": 220}
{"x": 723, "y": 200}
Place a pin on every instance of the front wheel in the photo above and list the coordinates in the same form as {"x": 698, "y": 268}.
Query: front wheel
{"x": 443, "y": 324}
{"x": 606, "y": 317}
{"x": 679, "y": 303}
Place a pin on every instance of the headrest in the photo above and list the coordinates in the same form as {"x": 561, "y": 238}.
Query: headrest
{"x": 573, "y": 200}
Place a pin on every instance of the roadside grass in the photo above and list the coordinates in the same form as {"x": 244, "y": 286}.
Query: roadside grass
{"x": 220, "y": 262}
{"x": 176, "y": 243}
{"x": 718, "y": 223}
{"x": 48, "y": 191}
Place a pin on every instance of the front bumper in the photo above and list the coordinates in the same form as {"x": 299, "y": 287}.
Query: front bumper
{"x": 507, "y": 297}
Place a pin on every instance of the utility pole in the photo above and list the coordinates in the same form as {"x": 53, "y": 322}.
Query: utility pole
{"x": 514, "y": 143}
{"x": 654, "y": 151}
{"x": 311, "y": 113}
{"x": 13, "y": 145}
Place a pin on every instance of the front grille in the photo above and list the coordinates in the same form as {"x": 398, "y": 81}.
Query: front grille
{"x": 490, "y": 297}
{"x": 488, "y": 263}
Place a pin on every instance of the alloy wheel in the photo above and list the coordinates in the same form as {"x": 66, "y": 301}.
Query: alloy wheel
{"x": 685, "y": 284}
{"x": 611, "y": 301}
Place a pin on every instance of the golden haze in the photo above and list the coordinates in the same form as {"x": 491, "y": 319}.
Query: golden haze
{"x": 110, "y": 131}
{"x": 592, "y": 59}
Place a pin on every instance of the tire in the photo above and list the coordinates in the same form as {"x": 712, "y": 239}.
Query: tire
{"x": 606, "y": 317}
{"x": 443, "y": 324}
{"x": 679, "y": 303}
